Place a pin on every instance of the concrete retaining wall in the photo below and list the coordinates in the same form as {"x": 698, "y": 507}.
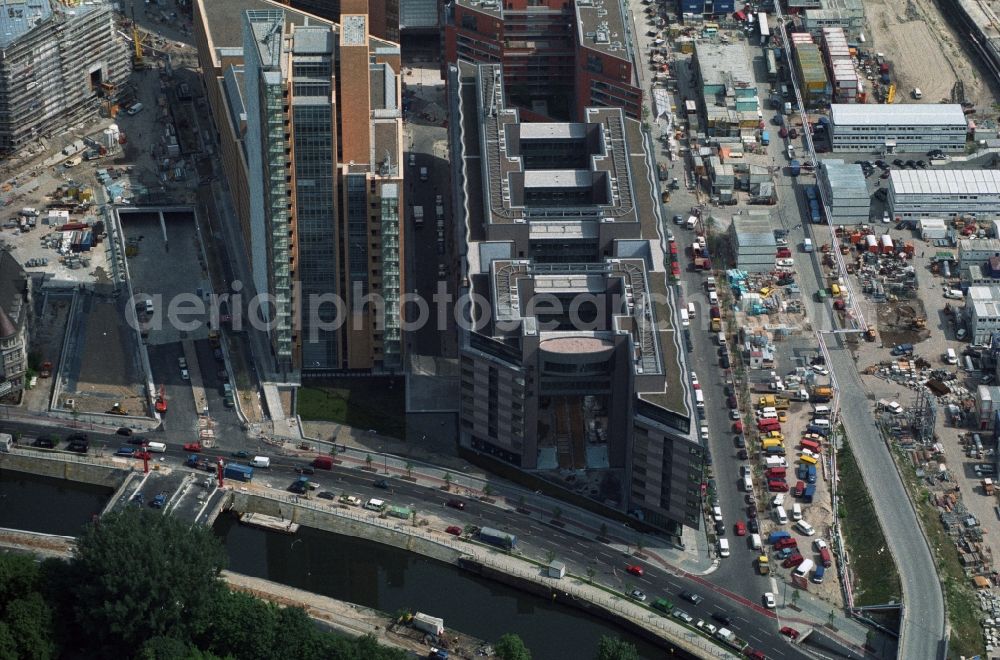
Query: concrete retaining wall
{"x": 329, "y": 522}
{"x": 46, "y": 466}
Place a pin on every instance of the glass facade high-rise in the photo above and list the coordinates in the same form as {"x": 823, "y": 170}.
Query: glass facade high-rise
{"x": 324, "y": 193}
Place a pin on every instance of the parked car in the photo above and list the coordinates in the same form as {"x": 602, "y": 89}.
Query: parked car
{"x": 692, "y": 597}
{"x": 769, "y": 601}
{"x": 683, "y": 616}
{"x": 789, "y": 632}
{"x": 454, "y": 530}
{"x": 638, "y": 595}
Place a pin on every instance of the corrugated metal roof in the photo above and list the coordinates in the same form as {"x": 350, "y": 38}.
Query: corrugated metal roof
{"x": 938, "y": 182}
{"x": 871, "y": 114}
{"x": 844, "y": 178}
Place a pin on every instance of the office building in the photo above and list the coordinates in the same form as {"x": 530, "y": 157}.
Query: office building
{"x": 729, "y": 92}
{"x": 559, "y": 58}
{"x": 313, "y": 159}
{"x": 845, "y": 190}
{"x": 563, "y": 213}
{"x": 15, "y": 306}
{"x": 753, "y": 241}
{"x": 898, "y": 128}
{"x": 58, "y": 60}
{"x": 944, "y": 193}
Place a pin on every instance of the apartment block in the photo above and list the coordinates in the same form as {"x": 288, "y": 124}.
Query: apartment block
{"x": 559, "y": 57}
{"x": 314, "y": 161}
{"x": 568, "y": 363}
{"x": 57, "y": 61}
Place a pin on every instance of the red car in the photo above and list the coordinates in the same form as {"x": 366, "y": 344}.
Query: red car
{"x": 634, "y": 570}
{"x": 193, "y": 447}
{"x": 741, "y": 529}
{"x": 738, "y": 426}
{"x": 793, "y": 561}
{"x": 454, "y": 529}
{"x": 799, "y": 489}
{"x": 787, "y": 542}
{"x": 675, "y": 271}
{"x": 673, "y": 248}
{"x": 789, "y": 632}
{"x": 754, "y": 654}
{"x": 777, "y": 486}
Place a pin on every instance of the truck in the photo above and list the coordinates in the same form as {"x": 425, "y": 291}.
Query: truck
{"x": 765, "y": 138}
{"x": 497, "y": 538}
{"x": 192, "y": 461}
{"x": 822, "y": 394}
{"x": 702, "y": 263}
{"x": 418, "y": 216}
{"x": 824, "y": 557}
{"x": 6, "y": 442}
{"x": 260, "y": 462}
{"x": 238, "y": 472}
{"x": 902, "y": 349}
{"x": 400, "y": 512}
{"x": 814, "y": 212}
{"x": 809, "y": 493}
{"x": 763, "y": 567}
{"x": 795, "y": 167}
{"x": 807, "y": 245}
{"x": 323, "y": 462}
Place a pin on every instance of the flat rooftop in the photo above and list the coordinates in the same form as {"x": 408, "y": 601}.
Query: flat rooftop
{"x": 906, "y": 114}
{"x": 945, "y": 182}
{"x": 225, "y": 19}
{"x": 600, "y": 26}
{"x": 607, "y": 144}
{"x": 725, "y": 64}
{"x": 844, "y": 177}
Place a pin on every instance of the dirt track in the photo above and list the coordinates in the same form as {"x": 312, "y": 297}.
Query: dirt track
{"x": 924, "y": 50}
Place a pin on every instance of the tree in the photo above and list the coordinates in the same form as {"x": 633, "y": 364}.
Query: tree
{"x": 132, "y": 564}
{"x": 487, "y": 490}
{"x": 613, "y": 648}
{"x": 368, "y": 461}
{"x": 26, "y": 616}
{"x": 409, "y": 470}
{"x": 639, "y": 547}
{"x": 447, "y": 480}
{"x": 511, "y": 647}
{"x": 557, "y": 513}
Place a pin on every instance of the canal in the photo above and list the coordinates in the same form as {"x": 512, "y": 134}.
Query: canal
{"x": 48, "y": 505}
{"x": 390, "y": 579}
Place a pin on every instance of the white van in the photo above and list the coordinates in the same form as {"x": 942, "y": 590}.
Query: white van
{"x": 780, "y": 515}
{"x": 821, "y": 422}
{"x": 755, "y": 542}
{"x": 747, "y": 483}
{"x": 953, "y": 294}
{"x": 684, "y": 319}
{"x": 805, "y": 528}
{"x": 821, "y": 411}
{"x": 775, "y": 461}
{"x": 156, "y": 447}
{"x": 692, "y": 222}
{"x": 723, "y": 547}
{"x": 699, "y": 399}
{"x": 951, "y": 357}
{"x": 713, "y": 297}
{"x": 796, "y": 512}
{"x": 691, "y": 312}
{"x": 767, "y": 409}
{"x": 721, "y": 337}
{"x": 803, "y": 569}
{"x": 260, "y": 462}
{"x": 375, "y": 504}
{"x": 149, "y": 306}
{"x": 770, "y": 414}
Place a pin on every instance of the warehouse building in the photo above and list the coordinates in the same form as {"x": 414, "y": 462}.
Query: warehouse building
{"x": 944, "y": 193}
{"x": 753, "y": 241}
{"x": 58, "y": 61}
{"x": 846, "y": 192}
{"x": 905, "y": 128}
{"x": 565, "y": 211}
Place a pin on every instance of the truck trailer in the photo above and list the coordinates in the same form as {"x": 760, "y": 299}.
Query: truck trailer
{"x": 238, "y": 472}
{"x": 497, "y": 538}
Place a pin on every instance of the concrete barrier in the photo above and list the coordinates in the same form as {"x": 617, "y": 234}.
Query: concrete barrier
{"x": 64, "y": 467}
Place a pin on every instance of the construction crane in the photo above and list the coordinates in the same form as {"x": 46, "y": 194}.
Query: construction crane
{"x": 137, "y": 39}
